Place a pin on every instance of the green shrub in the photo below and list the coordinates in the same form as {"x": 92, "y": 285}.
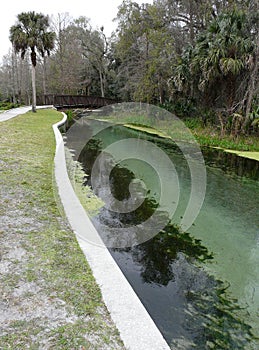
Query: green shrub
{"x": 193, "y": 123}
{"x": 71, "y": 115}
{"x": 5, "y": 105}
{"x": 182, "y": 108}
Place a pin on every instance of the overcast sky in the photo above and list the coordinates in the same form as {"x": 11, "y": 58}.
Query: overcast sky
{"x": 101, "y": 12}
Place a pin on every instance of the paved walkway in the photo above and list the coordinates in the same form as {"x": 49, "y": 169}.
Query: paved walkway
{"x": 11, "y": 113}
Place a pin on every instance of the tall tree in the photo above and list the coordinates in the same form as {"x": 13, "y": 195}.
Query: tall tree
{"x": 145, "y": 51}
{"x": 66, "y": 60}
{"x": 94, "y": 45}
{"x": 31, "y": 32}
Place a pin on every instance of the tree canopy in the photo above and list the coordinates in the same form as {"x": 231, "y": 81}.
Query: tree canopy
{"x": 192, "y": 57}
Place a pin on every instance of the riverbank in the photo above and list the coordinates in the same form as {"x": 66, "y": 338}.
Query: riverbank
{"x": 246, "y": 154}
{"x": 49, "y": 297}
{"x": 244, "y": 145}
{"x": 242, "y": 148}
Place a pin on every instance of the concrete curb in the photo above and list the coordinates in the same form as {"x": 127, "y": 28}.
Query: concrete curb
{"x": 137, "y": 330}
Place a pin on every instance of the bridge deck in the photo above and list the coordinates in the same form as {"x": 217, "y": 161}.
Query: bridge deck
{"x": 77, "y": 101}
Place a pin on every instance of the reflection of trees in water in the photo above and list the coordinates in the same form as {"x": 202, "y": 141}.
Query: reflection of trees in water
{"x": 221, "y": 317}
{"x": 156, "y": 255}
{"x": 211, "y": 316}
{"x": 89, "y": 153}
{"x": 231, "y": 163}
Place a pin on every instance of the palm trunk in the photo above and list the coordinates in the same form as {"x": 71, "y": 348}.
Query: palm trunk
{"x": 33, "y": 80}
{"x": 44, "y": 76}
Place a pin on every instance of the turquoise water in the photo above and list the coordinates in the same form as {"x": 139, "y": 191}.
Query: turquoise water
{"x": 231, "y": 211}
{"x": 202, "y": 287}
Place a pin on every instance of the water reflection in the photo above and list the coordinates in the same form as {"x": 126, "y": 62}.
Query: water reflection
{"x": 230, "y": 163}
{"x": 192, "y": 308}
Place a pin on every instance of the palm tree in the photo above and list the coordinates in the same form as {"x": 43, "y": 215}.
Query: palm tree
{"x": 31, "y": 32}
{"x": 223, "y": 49}
{"x": 218, "y": 63}
{"x": 222, "y": 55}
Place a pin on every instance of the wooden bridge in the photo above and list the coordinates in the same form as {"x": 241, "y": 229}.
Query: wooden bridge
{"x": 77, "y": 101}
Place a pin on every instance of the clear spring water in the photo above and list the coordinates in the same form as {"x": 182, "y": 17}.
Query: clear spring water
{"x": 201, "y": 287}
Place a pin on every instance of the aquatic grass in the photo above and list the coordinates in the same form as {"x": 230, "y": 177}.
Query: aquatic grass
{"x": 205, "y": 136}
{"x": 149, "y": 130}
{"x": 165, "y": 127}
{"x": 91, "y": 203}
{"x": 126, "y": 118}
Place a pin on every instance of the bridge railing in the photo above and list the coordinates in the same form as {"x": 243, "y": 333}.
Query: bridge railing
{"x": 84, "y": 101}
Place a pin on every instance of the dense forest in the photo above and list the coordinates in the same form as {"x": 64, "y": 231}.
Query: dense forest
{"x": 196, "y": 58}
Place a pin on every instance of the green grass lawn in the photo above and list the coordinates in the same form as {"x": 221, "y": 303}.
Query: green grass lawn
{"x": 49, "y": 294}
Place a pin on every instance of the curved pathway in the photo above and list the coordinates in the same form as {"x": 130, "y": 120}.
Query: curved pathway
{"x": 11, "y": 113}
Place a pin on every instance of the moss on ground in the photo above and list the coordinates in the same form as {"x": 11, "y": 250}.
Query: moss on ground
{"x": 147, "y": 130}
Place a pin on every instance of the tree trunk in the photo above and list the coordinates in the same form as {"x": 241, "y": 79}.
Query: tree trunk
{"x": 44, "y": 76}
{"x": 231, "y": 86}
{"x": 33, "y": 77}
{"x": 13, "y": 78}
{"x": 101, "y": 83}
{"x": 252, "y": 86}
{"x": 191, "y": 25}
{"x": 161, "y": 90}
{"x": 33, "y": 80}
{"x": 222, "y": 124}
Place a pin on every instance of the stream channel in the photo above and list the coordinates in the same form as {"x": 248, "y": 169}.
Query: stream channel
{"x": 202, "y": 287}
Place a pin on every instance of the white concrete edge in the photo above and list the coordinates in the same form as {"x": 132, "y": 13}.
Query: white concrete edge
{"x": 137, "y": 329}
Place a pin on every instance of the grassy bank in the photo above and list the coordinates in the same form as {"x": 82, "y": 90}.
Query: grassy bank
{"x": 49, "y": 298}
{"x": 247, "y": 147}
{"x": 210, "y": 136}
{"x": 243, "y": 145}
